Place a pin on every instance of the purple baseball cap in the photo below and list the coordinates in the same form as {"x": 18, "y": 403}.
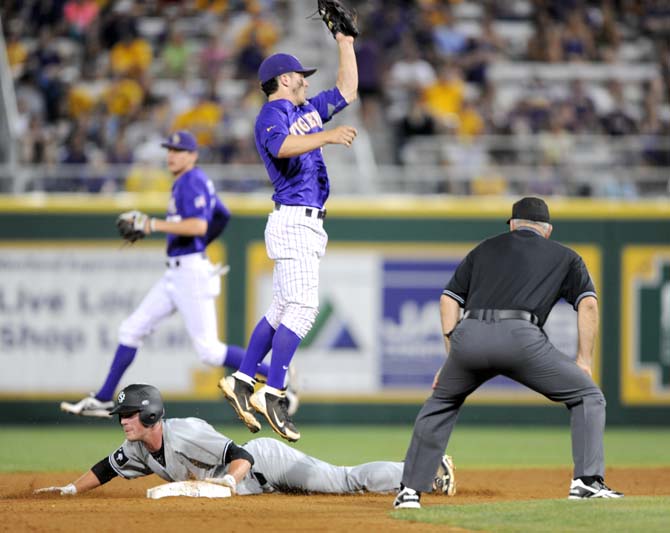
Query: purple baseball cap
{"x": 181, "y": 140}
{"x": 278, "y": 64}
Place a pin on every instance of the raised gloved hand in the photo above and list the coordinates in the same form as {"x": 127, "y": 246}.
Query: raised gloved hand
{"x": 132, "y": 225}
{"x": 67, "y": 490}
{"x": 338, "y": 17}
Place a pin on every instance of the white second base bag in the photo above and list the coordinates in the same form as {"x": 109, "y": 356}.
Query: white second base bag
{"x": 191, "y": 489}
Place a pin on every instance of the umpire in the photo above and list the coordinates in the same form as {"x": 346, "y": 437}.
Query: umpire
{"x": 508, "y": 285}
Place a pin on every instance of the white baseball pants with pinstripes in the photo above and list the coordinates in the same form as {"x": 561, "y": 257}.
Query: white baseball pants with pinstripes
{"x": 296, "y": 242}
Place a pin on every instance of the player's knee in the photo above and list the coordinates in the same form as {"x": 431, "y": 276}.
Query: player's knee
{"x": 300, "y": 318}
{"x": 591, "y": 399}
{"x": 274, "y": 314}
{"x": 596, "y": 398}
{"x": 211, "y": 354}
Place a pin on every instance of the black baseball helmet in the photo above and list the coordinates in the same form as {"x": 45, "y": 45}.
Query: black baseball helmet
{"x": 142, "y": 398}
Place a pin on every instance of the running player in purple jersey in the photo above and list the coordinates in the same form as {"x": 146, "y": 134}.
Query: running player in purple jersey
{"x": 195, "y": 217}
{"x": 289, "y": 136}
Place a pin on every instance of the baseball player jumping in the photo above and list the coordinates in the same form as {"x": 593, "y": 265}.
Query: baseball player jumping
{"x": 181, "y": 449}
{"x": 289, "y": 136}
{"x": 195, "y": 217}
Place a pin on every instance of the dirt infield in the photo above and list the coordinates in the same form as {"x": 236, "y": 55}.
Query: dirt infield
{"x": 122, "y": 506}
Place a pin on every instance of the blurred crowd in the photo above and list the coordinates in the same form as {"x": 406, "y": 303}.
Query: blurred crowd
{"x": 427, "y": 72}
{"x": 102, "y": 81}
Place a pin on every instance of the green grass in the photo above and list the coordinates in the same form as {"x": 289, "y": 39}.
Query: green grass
{"x": 625, "y": 515}
{"x": 54, "y": 448}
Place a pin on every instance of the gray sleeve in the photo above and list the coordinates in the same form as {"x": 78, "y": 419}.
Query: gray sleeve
{"x": 198, "y": 440}
{"x": 128, "y": 462}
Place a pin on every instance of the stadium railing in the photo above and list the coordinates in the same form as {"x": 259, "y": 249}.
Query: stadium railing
{"x": 586, "y": 165}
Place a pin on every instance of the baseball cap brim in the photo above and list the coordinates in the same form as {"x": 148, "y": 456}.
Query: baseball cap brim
{"x": 307, "y": 72}
{"x": 176, "y": 147}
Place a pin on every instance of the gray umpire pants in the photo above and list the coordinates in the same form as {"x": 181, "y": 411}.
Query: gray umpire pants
{"x": 481, "y": 350}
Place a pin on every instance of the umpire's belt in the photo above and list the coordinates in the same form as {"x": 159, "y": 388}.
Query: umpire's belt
{"x": 311, "y": 212}
{"x": 501, "y": 314}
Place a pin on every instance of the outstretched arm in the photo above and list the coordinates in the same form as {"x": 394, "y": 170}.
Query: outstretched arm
{"x": 191, "y": 227}
{"x": 85, "y": 483}
{"x": 99, "y": 474}
{"x": 347, "y": 74}
{"x": 294, "y": 145}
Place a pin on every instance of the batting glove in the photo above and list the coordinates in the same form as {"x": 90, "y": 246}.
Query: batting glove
{"x": 67, "y": 490}
{"x": 227, "y": 481}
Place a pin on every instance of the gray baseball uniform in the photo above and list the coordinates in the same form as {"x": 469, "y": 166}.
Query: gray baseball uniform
{"x": 193, "y": 449}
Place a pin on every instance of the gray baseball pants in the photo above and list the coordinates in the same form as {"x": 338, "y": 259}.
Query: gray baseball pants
{"x": 286, "y": 469}
{"x": 481, "y": 350}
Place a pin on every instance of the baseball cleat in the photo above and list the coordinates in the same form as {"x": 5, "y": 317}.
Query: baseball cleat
{"x": 274, "y": 408}
{"x": 237, "y": 392}
{"x": 89, "y": 406}
{"x": 407, "y": 499}
{"x": 581, "y": 491}
{"x": 292, "y": 399}
{"x": 444, "y": 481}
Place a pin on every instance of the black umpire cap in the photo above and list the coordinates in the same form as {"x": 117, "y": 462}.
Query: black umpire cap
{"x": 530, "y": 208}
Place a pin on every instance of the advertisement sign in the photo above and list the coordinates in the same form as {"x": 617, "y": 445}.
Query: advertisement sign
{"x": 645, "y": 325}
{"x": 61, "y": 306}
{"x": 378, "y": 330}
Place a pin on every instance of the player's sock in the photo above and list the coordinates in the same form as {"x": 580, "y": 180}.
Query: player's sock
{"x": 122, "y": 358}
{"x": 259, "y": 346}
{"x": 235, "y": 356}
{"x": 284, "y": 345}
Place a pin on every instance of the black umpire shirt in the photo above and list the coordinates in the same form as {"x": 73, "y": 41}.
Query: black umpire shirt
{"x": 520, "y": 270}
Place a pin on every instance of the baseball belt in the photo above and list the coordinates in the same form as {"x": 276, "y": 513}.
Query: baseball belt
{"x": 311, "y": 212}
{"x": 501, "y": 314}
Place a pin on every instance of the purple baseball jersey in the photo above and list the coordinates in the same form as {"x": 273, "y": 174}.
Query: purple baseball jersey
{"x": 300, "y": 180}
{"x": 193, "y": 196}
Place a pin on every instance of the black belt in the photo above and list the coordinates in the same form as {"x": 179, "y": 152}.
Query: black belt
{"x": 308, "y": 211}
{"x": 501, "y": 314}
{"x": 262, "y": 480}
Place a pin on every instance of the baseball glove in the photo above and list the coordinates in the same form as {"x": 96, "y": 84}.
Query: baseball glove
{"x": 338, "y": 17}
{"x": 131, "y": 225}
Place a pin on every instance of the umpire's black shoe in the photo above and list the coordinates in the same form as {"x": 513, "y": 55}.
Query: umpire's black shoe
{"x": 275, "y": 408}
{"x": 238, "y": 393}
{"x": 407, "y": 499}
{"x": 581, "y": 491}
